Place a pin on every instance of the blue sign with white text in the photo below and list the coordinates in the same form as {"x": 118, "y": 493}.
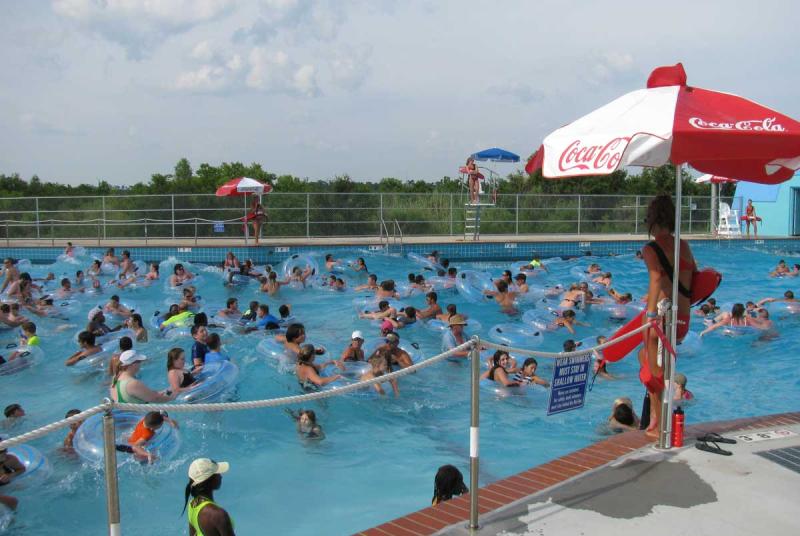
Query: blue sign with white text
{"x": 568, "y": 388}
{"x": 219, "y": 227}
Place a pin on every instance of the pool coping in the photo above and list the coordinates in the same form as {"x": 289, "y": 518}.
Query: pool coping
{"x": 504, "y": 492}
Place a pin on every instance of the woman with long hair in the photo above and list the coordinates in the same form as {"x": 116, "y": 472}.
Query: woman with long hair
{"x": 449, "y": 482}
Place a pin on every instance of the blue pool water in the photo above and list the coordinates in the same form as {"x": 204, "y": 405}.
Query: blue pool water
{"x": 379, "y": 455}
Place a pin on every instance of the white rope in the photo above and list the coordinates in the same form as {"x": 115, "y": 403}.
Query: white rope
{"x": 556, "y": 355}
{"x": 297, "y": 399}
{"x": 52, "y": 427}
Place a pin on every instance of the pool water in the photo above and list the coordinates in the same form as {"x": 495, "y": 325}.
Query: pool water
{"x": 379, "y": 455}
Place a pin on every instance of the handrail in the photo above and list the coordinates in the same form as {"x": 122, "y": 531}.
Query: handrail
{"x": 400, "y": 231}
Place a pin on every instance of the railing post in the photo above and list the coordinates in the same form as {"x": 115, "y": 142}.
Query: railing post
{"x": 104, "y": 216}
{"x": 636, "y": 216}
{"x": 112, "y": 485}
{"x": 690, "y": 213}
{"x": 52, "y": 234}
{"x": 173, "y": 215}
{"x": 668, "y": 364}
{"x": 308, "y": 215}
{"x": 37, "y": 218}
{"x": 145, "y": 231}
{"x": 195, "y": 230}
{"x": 8, "y": 239}
{"x": 474, "y": 432}
{"x": 451, "y": 214}
{"x": 579, "y": 214}
{"x": 516, "y": 216}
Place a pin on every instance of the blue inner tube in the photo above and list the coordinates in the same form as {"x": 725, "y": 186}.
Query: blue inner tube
{"x": 96, "y": 361}
{"x": 301, "y": 261}
{"x": 110, "y": 337}
{"x": 28, "y": 356}
{"x": 424, "y": 262}
{"x": 215, "y": 380}
{"x": 435, "y": 325}
{"x": 471, "y": 284}
{"x": 517, "y": 335}
{"x": 543, "y": 319}
{"x": 739, "y": 331}
{"x": 502, "y": 391}
{"x": 88, "y": 440}
{"x": 37, "y": 468}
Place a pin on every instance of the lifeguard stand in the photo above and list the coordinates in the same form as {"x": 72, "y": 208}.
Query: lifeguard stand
{"x": 487, "y": 185}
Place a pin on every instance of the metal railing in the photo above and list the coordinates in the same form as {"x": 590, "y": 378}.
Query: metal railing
{"x": 472, "y": 347}
{"x": 187, "y": 216}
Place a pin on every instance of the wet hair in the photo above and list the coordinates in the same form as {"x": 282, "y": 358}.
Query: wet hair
{"x": 273, "y": 275}
{"x": 497, "y": 356}
{"x": 30, "y": 327}
{"x": 153, "y": 419}
{"x": 712, "y": 301}
{"x": 412, "y": 277}
{"x": 623, "y": 414}
{"x": 502, "y": 286}
{"x": 213, "y": 342}
{"x": 452, "y": 271}
{"x": 200, "y": 319}
{"x": 306, "y": 354}
{"x": 451, "y": 308}
{"x": 411, "y": 312}
{"x": 65, "y": 281}
{"x": 294, "y": 331}
{"x": 661, "y": 212}
{"x": 155, "y": 266}
{"x": 264, "y": 307}
{"x": 569, "y": 313}
{"x": 125, "y": 343}
{"x": 420, "y": 279}
{"x": 528, "y": 362}
{"x": 521, "y": 277}
{"x": 449, "y": 482}
{"x": 177, "y": 267}
{"x": 373, "y": 277}
{"x": 136, "y": 317}
{"x": 10, "y": 409}
{"x": 445, "y": 262}
{"x": 433, "y": 296}
{"x": 172, "y": 356}
{"x": 387, "y": 285}
{"x": 737, "y": 311}
{"x": 328, "y": 257}
{"x": 230, "y": 301}
{"x": 311, "y": 415}
{"x": 383, "y": 305}
{"x": 706, "y": 308}
{"x": 508, "y": 274}
{"x": 71, "y": 413}
{"x": 86, "y": 337}
{"x": 283, "y": 310}
{"x": 788, "y": 294}
{"x": 196, "y": 329}
{"x": 570, "y": 345}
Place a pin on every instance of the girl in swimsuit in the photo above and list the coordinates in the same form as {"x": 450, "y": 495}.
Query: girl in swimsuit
{"x": 750, "y": 217}
{"x": 178, "y": 377}
{"x": 230, "y": 262}
{"x": 659, "y": 259}
{"x": 473, "y": 179}
{"x": 497, "y": 372}
{"x": 308, "y": 373}
{"x": 259, "y": 217}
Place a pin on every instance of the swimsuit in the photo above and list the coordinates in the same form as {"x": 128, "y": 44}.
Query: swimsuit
{"x": 187, "y": 380}
{"x": 194, "y": 510}
{"x": 122, "y": 387}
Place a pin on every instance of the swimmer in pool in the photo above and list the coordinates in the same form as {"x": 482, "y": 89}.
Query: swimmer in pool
{"x": 521, "y": 284}
{"x": 308, "y": 373}
{"x": 527, "y": 374}
{"x": 230, "y": 262}
{"x": 294, "y": 337}
{"x": 384, "y": 311}
{"x": 735, "y": 318}
{"x": 594, "y": 268}
{"x": 144, "y": 432}
{"x": 599, "y": 367}
{"x": 622, "y": 417}
{"x": 397, "y": 355}
{"x": 386, "y": 290}
{"x": 498, "y": 372}
{"x": 114, "y": 307}
{"x": 180, "y": 275}
{"x": 178, "y": 377}
{"x": 300, "y": 275}
{"x": 97, "y": 323}
{"x": 153, "y": 274}
{"x": 780, "y": 270}
{"x": 271, "y": 285}
{"x": 10, "y": 467}
{"x": 371, "y": 284}
{"x": 381, "y": 364}
{"x": 135, "y": 324}
{"x": 306, "y": 421}
{"x": 88, "y": 347}
{"x": 110, "y": 257}
{"x": 573, "y": 297}
{"x": 231, "y": 309}
{"x": 788, "y": 297}
{"x": 504, "y": 298}
{"x": 433, "y": 309}
{"x": 682, "y": 394}
{"x": 566, "y": 320}
{"x": 331, "y": 263}
{"x": 407, "y": 317}
{"x": 354, "y": 350}
{"x": 603, "y": 279}
{"x": 360, "y": 265}
{"x": 619, "y": 297}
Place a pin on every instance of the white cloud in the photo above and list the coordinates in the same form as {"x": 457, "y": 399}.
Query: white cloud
{"x": 275, "y": 72}
{"x": 206, "y": 78}
{"x": 350, "y": 67}
{"x": 519, "y": 91}
{"x": 140, "y": 26}
{"x": 295, "y": 21}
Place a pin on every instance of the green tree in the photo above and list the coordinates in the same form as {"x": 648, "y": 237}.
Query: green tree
{"x": 183, "y": 171}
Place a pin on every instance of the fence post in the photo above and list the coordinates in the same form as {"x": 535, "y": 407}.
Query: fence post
{"x": 579, "y": 214}
{"x": 104, "y": 216}
{"x": 195, "y": 230}
{"x": 36, "y": 199}
{"x": 173, "y": 215}
{"x": 52, "y": 235}
{"x": 112, "y": 485}
{"x": 474, "y": 432}
{"x": 145, "y": 231}
{"x": 690, "y": 213}
{"x": 636, "y": 216}
{"x": 308, "y": 215}
{"x": 516, "y": 216}
{"x": 451, "y": 214}
{"x": 8, "y": 241}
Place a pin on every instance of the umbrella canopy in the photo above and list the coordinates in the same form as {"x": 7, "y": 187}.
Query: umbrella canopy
{"x": 243, "y": 186}
{"x": 495, "y": 154}
{"x": 714, "y": 179}
{"x": 717, "y": 133}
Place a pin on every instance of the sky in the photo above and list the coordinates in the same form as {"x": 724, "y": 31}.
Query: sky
{"x": 121, "y": 89}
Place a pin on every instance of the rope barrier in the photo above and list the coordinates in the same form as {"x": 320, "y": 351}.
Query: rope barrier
{"x": 52, "y": 427}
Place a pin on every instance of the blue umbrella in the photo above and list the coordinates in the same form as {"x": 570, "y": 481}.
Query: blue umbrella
{"x": 495, "y": 154}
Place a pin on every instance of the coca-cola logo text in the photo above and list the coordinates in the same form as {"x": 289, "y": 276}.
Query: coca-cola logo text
{"x": 594, "y": 157}
{"x": 764, "y": 125}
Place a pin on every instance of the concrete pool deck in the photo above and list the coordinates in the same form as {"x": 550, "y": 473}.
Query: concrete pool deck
{"x": 622, "y": 485}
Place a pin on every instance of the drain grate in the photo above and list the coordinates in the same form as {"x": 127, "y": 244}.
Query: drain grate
{"x": 788, "y": 457}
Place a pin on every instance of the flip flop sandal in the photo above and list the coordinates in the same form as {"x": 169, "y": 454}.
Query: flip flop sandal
{"x": 704, "y": 446}
{"x": 714, "y": 437}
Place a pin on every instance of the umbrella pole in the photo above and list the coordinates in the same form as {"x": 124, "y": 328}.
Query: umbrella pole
{"x": 246, "y": 225}
{"x": 665, "y": 424}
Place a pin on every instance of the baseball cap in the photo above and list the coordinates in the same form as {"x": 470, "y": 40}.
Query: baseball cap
{"x": 458, "y": 320}
{"x": 204, "y": 468}
{"x": 357, "y": 335}
{"x": 129, "y": 357}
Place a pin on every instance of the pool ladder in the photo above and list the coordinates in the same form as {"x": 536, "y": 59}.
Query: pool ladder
{"x": 395, "y": 238}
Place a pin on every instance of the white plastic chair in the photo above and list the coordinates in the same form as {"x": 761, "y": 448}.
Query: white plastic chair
{"x": 728, "y": 221}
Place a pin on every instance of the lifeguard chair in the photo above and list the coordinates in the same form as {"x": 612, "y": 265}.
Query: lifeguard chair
{"x": 486, "y": 185}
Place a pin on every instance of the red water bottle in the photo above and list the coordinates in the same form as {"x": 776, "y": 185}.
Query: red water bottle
{"x": 678, "y": 420}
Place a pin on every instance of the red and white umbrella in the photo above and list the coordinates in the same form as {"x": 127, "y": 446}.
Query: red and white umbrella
{"x": 670, "y": 122}
{"x": 243, "y": 186}
{"x": 714, "y": 179}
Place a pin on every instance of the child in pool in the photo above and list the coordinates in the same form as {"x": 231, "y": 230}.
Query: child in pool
{"x": 144, "y": 432}
{"x": 307, "y": 426}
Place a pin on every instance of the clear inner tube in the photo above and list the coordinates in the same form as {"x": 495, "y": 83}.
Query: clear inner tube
{"x": 88, "y": 440}
{"x": 517, "y": 335}
{"x": 471, "y": 284}
{"x": 212, "y": 384}
{"x": 26, "y": 358}
{"x": 298, "y": 260}
{"x": 37, "y": 468}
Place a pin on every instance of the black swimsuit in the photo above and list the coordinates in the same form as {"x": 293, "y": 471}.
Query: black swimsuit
{"x": 188, "y": 379}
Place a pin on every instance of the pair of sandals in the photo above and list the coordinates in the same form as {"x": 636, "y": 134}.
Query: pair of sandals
{"x": 709, "y": 443}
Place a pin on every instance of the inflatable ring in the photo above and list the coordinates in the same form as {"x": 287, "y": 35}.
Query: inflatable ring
{"x": 298, "y": 260}
{"x": 473, "y": 327}
{"x": 441, "y": 284}
{"x": 37, "y": 468}
{"x": 503, "y": 391}
{"x": 615, "y": 312}
{"x": 543, "y": 319}
{"x": 211, "y": 384}
{"x": 424, "y": 262}
{"x": 101, "y": 340}
{"x": 88, "y": 440}
{"x": 28, "y": 356}
{"x": 96, "y": 361}
{"x": 6, "y": 517}
{"x": 516, "y": 335}
{"x": 739, "y": 331}
{"x": 471, "y": 284}
{"x": 64, "y": 308}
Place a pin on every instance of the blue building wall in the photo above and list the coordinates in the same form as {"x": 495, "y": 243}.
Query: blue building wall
{"x": 774, "y": 204}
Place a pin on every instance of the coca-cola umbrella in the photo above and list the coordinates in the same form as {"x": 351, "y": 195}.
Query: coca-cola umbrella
{"x": 243, "y": 186}
{"x": 670, "y": 122}
{"x": 715, "y": 181}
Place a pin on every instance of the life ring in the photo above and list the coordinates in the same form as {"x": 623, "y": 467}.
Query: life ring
{"x": 37, "y": 468}
{"x": 285, "y": 359}
{"x": 441, "y": 284}
{"x": 298, "y": 260}
{"x": 129, "y": 305}
{"x": 543, "y": 319}
{"x": 503, "y": 391}
{"x": 516, "y": 335}
{"x": 213, "y": 382}
{"x": 6, "y": 517}
{"x": 64, "y": 308}
{"x": 111, "y": 336}
{"x": 739, "y": 331}
{"x": 28, "y": 356}
{"x": 615, "y": 312}
{"x": 88, "y": 440}
{"x": 472, "y": 327}
{"x": 471, "y": 284}
{"x": 96, "y": 361}
{"x": 424, "y": 262}
{"x": 109, "y": 268}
